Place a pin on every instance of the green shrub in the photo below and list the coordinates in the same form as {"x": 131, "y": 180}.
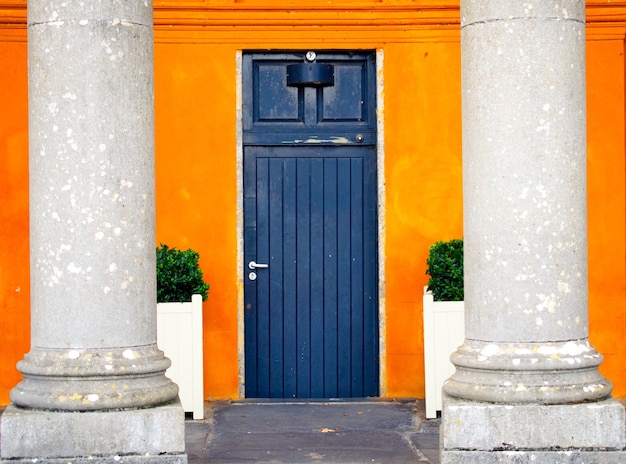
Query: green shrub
{"x": 445, "y": 268}
{"x": 178, "y": 275}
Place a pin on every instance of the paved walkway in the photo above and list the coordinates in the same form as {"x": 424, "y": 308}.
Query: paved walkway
{"x": 313, "y": 432}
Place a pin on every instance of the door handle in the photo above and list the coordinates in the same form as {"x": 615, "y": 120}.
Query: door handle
{"x": 252, "y": 265}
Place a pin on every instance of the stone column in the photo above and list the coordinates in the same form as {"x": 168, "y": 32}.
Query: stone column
{"x": 526, "y": 379}
{"x": 92, "y": 240}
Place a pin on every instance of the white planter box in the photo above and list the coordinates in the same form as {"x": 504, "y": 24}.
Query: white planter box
{"x": 444, "y": 332}
{"x": 179, "y": 335}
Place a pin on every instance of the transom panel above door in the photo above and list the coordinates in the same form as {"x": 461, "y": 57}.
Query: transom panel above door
{"x": 310, "y": 225}
{"x": 276, "y": 112}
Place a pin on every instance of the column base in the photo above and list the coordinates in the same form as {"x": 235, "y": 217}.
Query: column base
{"x": 532, "y": 457}
{"x": 479, "y": 432}
{"x": 161, "y": 459}
{"x": 564, "y": 372}
{"x": 150, "y": 435}
{"x": 93, "y": 379}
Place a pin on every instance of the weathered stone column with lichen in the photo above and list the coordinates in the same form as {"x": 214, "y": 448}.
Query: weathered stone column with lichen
{"x": 92, "y": 238}
{"x": 526, "y": 377}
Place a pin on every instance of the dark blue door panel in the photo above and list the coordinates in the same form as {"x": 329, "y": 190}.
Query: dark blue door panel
{"x": 310, "y": 214}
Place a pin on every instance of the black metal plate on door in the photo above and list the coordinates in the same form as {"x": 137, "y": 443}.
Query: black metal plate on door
{"x": 310, "y": 74}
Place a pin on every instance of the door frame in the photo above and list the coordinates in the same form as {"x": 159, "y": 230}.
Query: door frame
{"x": 380, "y": 166}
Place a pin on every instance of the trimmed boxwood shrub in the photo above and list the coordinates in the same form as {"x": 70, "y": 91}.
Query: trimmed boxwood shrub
{"x": 445, "y": 268}
{"x": 178, "y": 275}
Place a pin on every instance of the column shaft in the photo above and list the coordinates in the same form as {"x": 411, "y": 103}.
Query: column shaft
{"x": 524, "y": 157}
{"x": 526, "y": 386}
{"x": 92, "y": 226}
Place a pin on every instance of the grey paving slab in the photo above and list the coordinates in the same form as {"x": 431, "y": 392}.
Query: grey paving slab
{"x": 428, "y": 444}
{"x": 313, "y": 432}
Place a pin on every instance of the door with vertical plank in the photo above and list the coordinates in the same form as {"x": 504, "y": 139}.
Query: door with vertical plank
{"x": 310, "y": 225}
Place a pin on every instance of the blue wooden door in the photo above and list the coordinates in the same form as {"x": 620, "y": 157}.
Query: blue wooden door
{"x": 310, "y": 226}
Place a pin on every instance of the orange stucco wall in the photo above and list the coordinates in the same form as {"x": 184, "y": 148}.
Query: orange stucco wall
{"x": 606, "y": 207}
{"x": 423, "y": 191}
{"x": 14, "y": 258}
{"x": 196, "y": 80}
{"x": 196, "y": 183}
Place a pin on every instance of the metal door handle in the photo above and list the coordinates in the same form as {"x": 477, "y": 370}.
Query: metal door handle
{"x": 253, "y": 265}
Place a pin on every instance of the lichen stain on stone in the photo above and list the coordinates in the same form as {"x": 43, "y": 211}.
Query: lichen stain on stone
{"x": 563, "y": 287}
{"x": 546, "y": 350}
{"x": 72, "y": 397}
{"x": 573, "y": 348}
{"x": 592, "y": 388}
{"x": 490, "y": 350}
{"x": 74, "y": 269}
{"x": 546, "y": 302}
